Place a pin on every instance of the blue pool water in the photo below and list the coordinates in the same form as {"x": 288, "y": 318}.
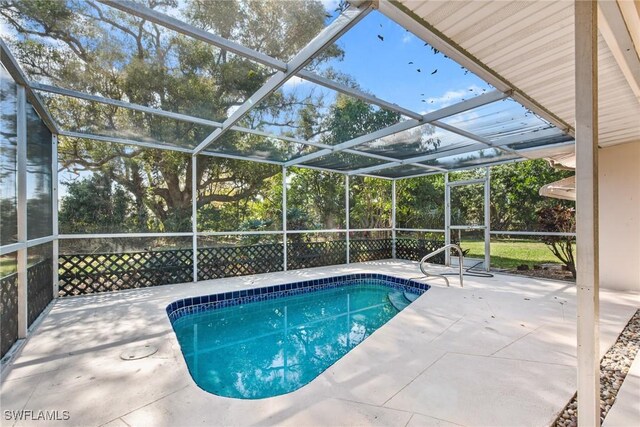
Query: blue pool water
{"x": 266, "y": 348}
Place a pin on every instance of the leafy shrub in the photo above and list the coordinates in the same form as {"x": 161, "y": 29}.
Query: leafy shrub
{"x": 559, "y": 219}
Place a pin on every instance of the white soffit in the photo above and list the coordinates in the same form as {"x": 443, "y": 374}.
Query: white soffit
{"x": 564, "y": 189}
{"x": 530, "y": 44}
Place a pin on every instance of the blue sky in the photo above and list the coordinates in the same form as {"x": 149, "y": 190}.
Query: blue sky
{"x": 396, "y": 66}
{"x": 388, "y": 67}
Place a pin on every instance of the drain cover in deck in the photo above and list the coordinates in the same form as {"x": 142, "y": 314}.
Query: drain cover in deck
{"x": 141, "y": 352}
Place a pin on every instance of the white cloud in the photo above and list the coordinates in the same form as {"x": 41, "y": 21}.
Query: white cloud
{"x": 4, "y": 30}
{"x": 294, "y": 81}
{"x": 466, "y": 117}
{"x": 457, "y": 120}
{"x": 453, "y": 96}
{"x": 407, "y": 37}
{"x": 330, "y": 5}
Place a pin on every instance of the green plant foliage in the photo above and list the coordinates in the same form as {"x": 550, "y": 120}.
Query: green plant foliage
{"x": 559, "y": 219}
{"x": 94, "y": 205}
{"x": 370, "y": 203}
{"x": 350, "y": 118}
{"x": 238, "y": 195}
{"x": 420, "y": 202}
{"x": 515, "y": 197}
{"x": 315, "y": 199}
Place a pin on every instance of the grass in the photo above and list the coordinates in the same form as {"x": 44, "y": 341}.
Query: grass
{"x": 7, "y": 266}
{"x": 510, "y": 253}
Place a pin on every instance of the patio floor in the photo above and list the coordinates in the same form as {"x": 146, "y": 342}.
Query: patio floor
{"x": 498, "y": 352}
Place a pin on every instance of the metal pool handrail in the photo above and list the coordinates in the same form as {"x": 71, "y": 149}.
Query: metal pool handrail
{"x": 436, "y": 252}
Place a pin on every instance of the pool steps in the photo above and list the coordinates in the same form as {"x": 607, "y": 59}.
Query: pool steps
{"x": 410, "y": 296}
{"x": 401, "y": 300}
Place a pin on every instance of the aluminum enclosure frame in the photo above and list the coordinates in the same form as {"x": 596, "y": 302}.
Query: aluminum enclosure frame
{"x": 347, "y": 20}
{"x": 29, "y": 90}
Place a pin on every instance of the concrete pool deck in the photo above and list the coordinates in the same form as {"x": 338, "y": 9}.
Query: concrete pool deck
{"x": 498, "y": 352}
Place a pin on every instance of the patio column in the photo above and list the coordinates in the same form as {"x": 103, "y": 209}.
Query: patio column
{"x": 586, "y": 98}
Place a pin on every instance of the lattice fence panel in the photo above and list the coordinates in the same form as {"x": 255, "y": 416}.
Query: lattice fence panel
{"x": 226, "y": 261}
{"x": 8, "y": 312}
{"x": 415, "y": 249}
{"x": 91, "y": 273}
{"x": 370, "y": 249}
{"x": 39, "y": 288}
{"x": 316, "y": 254}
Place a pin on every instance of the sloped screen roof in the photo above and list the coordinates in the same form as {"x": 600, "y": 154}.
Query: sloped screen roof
{"x": 294, "y": 83}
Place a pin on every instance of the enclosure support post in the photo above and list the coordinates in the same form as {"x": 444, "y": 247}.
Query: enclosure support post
{"x": 21, "y": 152}
{"x": 284, "y": 218}
{"x": 393, "y": 218}
{"x": 586, "y": 105}
{"x": 194, "y": 214}
{"x": 447, "y": 218}
{"x": 54, "y": 212}
{"x": 346, "y": 203}
{"x": 487, "y": 219}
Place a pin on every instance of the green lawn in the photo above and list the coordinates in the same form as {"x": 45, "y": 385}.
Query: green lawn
{"x": 7, "y": 266}
{"x": 510, "y": 253}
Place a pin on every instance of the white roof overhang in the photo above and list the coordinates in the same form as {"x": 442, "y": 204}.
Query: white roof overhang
{"x": 528, "y": 46}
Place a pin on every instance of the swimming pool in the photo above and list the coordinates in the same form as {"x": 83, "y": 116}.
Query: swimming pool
{"x": 264, "y": 342}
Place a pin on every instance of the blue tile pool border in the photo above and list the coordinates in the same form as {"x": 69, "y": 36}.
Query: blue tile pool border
{"x": 186, "y": 306}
